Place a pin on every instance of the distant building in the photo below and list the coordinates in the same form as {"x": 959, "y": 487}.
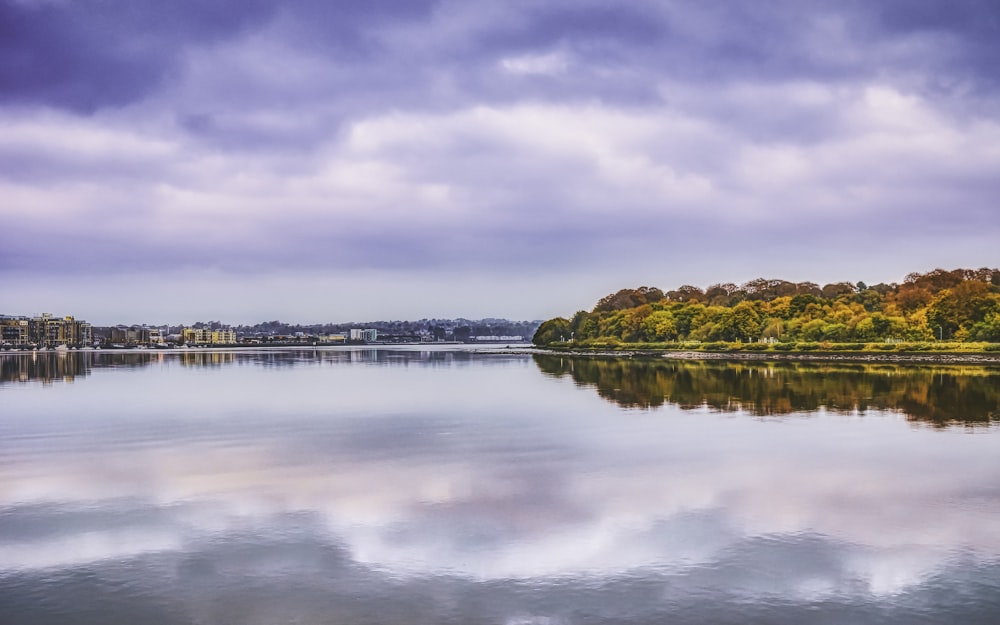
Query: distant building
{"x": 368, "y": 335}
{"x": 46, "y": 330}
{"x": 14, "y": 331}
{"x": 206, "y": 336}
{"x": 492, "y": 338}
{"x": 84, "y": 333}
{"x": 136, "y": 335}
{"x": 333, "y": 338}
{"x": 155, "y": 336}
{"x": 50, "y": 331}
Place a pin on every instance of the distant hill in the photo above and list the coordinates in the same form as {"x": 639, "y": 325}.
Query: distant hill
{"x": 435, "y": 329}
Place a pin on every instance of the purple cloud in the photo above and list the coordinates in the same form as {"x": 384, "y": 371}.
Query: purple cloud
{"x": 661, "y": 143}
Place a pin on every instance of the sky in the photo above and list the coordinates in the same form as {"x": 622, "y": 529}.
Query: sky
{"x": 316, "y": 161}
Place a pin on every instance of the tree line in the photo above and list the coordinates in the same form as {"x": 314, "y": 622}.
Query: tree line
{"x": 959, "y": 305}
{"x": 439, "y": 329}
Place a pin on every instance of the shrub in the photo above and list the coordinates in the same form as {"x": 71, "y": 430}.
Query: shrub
{"x": 605, "y": 343}
{"x": 716, "y": 346}
{"x": 883, "y": 347}
{"x": 847, "y": 347}
{"x": 651, "y": 345}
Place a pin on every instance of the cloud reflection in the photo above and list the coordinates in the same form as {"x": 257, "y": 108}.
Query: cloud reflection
{"x": 484, "y": 480}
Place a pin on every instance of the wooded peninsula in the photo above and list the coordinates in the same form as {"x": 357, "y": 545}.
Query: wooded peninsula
{"x": 957, "y": 310}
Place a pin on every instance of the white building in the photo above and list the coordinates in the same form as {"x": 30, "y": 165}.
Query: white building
{"x": 368, "y": 335}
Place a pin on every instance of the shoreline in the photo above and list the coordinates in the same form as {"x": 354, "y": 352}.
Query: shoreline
{"x": 963, "y": 358}
{"x": 959, "y": 358}
{"x": 485, "y": 347}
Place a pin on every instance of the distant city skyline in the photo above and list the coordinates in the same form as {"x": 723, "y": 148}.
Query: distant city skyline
{"x": 322, "y": 162}
{"x": 63, "y": 331}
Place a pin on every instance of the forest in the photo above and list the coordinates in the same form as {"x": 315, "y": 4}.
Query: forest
{"x": 957, "y": 306}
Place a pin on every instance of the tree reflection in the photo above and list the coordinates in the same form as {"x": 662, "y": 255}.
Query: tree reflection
{"x": 937, "y": 395}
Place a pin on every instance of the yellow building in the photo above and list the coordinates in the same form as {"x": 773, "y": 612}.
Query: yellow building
{"x": 205, "y": 336}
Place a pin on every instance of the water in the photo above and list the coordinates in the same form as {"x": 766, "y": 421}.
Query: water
{"x": 448, "y": 486}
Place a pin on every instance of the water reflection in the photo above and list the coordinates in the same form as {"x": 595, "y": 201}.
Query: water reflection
{"x": 448, "y": 487}
{"x": 940, "y": 395}
{"x": 52, "y": 366}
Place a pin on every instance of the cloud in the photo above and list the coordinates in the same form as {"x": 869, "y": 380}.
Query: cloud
{"x": 87, "y": 55}
{"x": 466, "y": 187}
{"x": 444, "y": 136}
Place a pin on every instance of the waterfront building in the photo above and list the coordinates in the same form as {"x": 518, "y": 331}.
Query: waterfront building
{"x": 48, "y": 330}
{"x": 14, "y": 331}
{"x": 45, "y": 330}
{"x": 206, "y": 336}
{"x": 136, "y": 335}
{"x": 84, "y": 333}
{"x": 223, "y": 337}
{"x": 155, "y": 337}
{"x": 368, "y": 335}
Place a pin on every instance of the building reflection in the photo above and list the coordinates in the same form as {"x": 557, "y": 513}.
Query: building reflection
{"x": 46, "y": 367}
{"x": 205, "y": 358}
{"x": 940, "y": 395}
{"x": 53, "y": 366}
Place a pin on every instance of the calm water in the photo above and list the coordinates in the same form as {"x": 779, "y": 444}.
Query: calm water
{"x": 435, "y": 486}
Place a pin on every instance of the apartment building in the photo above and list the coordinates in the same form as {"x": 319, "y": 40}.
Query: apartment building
{"x": 368, "y": 335}
{"x": 14, "y": 331}
{"x": 136, "y": 335}
{"x": 205, "y": 336}
{"x": 46, "y": 330}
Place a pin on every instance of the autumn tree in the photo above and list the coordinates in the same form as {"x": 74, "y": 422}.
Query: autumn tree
{"x": 963, "y": 304}
{"x": 686, "y": 293}
{"x": 961, "y": 307}
{"x": 629, "y": 298}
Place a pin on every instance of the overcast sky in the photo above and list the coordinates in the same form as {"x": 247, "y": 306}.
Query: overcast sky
{"x": 319, "y": 161}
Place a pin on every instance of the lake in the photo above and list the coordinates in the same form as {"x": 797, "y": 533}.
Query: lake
{"x": 446, "y": 485}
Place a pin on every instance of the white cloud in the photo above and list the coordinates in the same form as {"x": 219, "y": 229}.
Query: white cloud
{"x": 541, "y": 64}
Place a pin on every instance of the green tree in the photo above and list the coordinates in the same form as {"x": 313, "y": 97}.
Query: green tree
{"x": 987, "y": 329}
{"x": 552, "y": 331}
{"x": 835, "y": 332}
{"x": 813, "y": 330}
{"x": 660, "y": 326}
{"x": 870, "y": 299}
{"x": 684, "y": 316}
{"x": 748, "y": 322}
